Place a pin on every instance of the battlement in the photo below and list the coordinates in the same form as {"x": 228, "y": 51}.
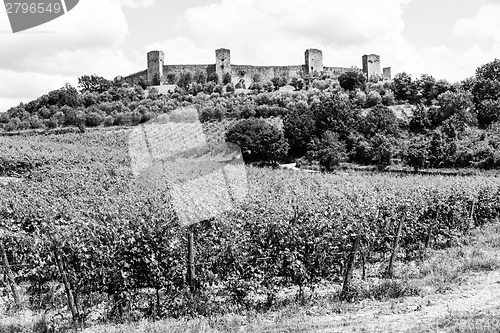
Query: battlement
{"x": 158, "y": 73}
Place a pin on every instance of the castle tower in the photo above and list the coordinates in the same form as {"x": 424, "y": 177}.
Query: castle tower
{"x": 387, "y": 75}
{"x": 155, "y": 67}
{"x": 222, "y": 62}
{"x": 371, "y": 65}
{"x": 314, "y": 61}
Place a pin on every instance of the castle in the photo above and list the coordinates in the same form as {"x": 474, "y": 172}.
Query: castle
{"x": 158, "y": 73}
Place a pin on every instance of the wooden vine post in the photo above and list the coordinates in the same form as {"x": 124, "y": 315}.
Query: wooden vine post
{"x": 10, "y": 275}
{"x": 191, "y": 264}
{"x": 67, "y": 287}
{"x": 471, "y": 216}
{"x": 390, "y": 268}
{"x": 349, "y": 267}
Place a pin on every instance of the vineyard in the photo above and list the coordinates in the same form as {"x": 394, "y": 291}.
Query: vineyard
{"x": 80, "y": 232}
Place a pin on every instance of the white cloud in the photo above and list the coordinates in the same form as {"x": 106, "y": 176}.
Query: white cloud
{"x": 486, "y": 23}
{"x": 263, "y": 32}
{"x": 86, "y": 40}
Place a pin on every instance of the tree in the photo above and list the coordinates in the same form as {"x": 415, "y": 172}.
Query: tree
{"x": 352, "y": 79}
{"x": 373, "y": 98}
{"x": 419, "y": 121}
{"x": 329, "y": 151}
{"x": 185, "y": 80}
{"x": 427, "y": 88}
{"x": 93, "y": 84}
{"x": 441, "y": 150}
{"x": 404, "y": 88}
{"x": 380, "y": 120}
{"x": 226, "y": 78}
{"x": 335, "y": 114}
{"x": 382, "y": 151}
{"x": 299, "y": 127}
{"x": 487, "y": 82}
{"x": 258, "y": 140}
{"x": 488, "y": 112}
{"x": 455, "y": 103}
{"x": 213, "y": 77}
{"x": 416, "y": 155}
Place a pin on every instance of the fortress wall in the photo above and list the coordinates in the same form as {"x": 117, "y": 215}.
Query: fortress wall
{"x": 136, "y": 77}
{"x": 335, "y": 71}
{"x": 179, "y": 69}
{"x": 246, "y": 72}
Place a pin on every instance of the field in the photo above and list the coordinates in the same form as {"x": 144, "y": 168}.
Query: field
{"x": 80, "y": 227}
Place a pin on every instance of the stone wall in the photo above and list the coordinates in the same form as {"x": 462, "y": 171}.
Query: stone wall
{"x": 179, "y": 69}
{"x": 266, "y": 73}
{"x": 313, "y": 63}
{"x": 334, "y": 71}
{"x": 136, "y": 77}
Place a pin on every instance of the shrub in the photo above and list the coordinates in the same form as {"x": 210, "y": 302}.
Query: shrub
{"x": 352, "y": 79}
{"x": 109, "y": 121}
{"x": 259, "y": 141}
{"x": 373, "y": 98}
{"x": 329, "y": 151}
{"x": 93, "y": 119}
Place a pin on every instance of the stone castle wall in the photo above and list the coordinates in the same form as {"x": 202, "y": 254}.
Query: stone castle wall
{"x": 158, "y": 73}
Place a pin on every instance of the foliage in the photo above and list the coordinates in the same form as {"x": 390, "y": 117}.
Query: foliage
{"x": 93, "y": 84}
{"x": 416, "y": 154}
{"x": 259, "y": 141}
{"x": 404, "y": 87}
{"x": 352, "y": 79}
{"x": 124, "y": 252}
{"x": 329, "y": 151}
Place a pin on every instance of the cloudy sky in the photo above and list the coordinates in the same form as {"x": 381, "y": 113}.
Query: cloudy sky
{"x": 445, "y": 38}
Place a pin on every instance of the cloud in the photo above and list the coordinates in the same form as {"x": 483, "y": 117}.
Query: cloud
{"x": 86, "y": 40}
{"x": 484, "y": 25}
{"x": 262, "y": 32}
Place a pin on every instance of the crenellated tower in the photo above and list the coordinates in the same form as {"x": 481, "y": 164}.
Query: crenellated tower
{"x": 155, "y": 67}
{"x": 314, "y": 61}
{"x": 222, "y": 62}
{"x": 371, "y": 65}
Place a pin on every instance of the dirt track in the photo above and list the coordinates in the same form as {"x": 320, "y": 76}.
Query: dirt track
{"x": 480, "y": 291}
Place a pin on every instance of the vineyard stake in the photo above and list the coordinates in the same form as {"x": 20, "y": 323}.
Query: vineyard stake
{"x": 10, "y": 275}
{"x": 390, "y": 268}
{"x": 429, "y": 237}
{"x": 471, "y": 217}
{"x": 191, "y": 254}
{"x": 349, "y": 267}
{"x": 67, "y": 287}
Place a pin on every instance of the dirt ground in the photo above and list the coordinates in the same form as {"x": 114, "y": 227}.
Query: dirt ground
{"x": 479, "y": 291}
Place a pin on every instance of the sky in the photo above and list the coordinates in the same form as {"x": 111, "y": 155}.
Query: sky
{"x": 447, "y": 39}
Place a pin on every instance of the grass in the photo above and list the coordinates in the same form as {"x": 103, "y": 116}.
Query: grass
{"x": 474, "y": 322}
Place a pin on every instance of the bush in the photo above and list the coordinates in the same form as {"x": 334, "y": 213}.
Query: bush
{"x": 212, "y": 114}
{"x": 352, "y": 79}
{"x": 373, "y": 98}
{"x": 359, "y": 98}
{"x": 488, "y": 112}
{"x": 388, "y": 98}
{"x": 93, "y": 119}
{"x": 171, "y": 79}
{"x": 259, "y": 141}
{"x": 109, "y": 121}
{"x": 329, "y": 152}
{"x": 416, "y": 155}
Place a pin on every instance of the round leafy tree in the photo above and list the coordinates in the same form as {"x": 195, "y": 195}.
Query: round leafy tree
{"x": 259, "y": 141}
{"x": 352, "y": 79}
